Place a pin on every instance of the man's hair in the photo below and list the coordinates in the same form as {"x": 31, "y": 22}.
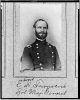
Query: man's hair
{"x": 38, "y": 21}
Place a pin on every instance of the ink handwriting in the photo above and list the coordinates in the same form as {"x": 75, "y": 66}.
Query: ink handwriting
{"x": 39, "y": 87}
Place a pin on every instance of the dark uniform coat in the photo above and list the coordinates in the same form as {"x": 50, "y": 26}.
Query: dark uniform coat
{"x": 40, "y": 55}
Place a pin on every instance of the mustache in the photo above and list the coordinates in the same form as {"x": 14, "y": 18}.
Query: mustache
{"x": 41, "y": 33}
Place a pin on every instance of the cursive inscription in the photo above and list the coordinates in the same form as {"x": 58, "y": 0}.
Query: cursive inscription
{"x": 39, "y": 87}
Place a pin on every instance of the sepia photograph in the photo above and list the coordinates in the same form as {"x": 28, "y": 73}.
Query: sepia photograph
{"x": 39, "y": 41}
{"x": 40, "y": 50}
{"x": 40, "y": 55}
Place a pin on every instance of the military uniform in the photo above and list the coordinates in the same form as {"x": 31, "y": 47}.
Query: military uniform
{"x": 41, "y": 55}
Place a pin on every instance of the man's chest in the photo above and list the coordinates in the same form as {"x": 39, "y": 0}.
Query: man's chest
{"x": 42, "y": 53}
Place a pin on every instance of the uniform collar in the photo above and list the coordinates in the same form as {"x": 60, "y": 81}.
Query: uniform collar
{"x": 42, "y": 42}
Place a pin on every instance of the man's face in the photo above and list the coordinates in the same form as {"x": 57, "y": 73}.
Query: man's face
{"x": 41, "y": 30}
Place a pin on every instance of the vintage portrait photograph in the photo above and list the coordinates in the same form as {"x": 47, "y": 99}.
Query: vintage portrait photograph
{"x": 40, "y": 50}
{"x": 38, "y": 38}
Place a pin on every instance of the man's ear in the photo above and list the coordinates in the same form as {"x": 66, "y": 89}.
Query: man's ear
{"x": 33, "y": 29}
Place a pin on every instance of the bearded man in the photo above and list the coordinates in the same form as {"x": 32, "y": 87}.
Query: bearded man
{"x": 40, "y": 55}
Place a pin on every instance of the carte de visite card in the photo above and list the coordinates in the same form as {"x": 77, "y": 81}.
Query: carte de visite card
{"x": 40, "y": 50}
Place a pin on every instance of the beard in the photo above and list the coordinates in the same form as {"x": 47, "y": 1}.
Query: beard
{"x": 41, "y": 35}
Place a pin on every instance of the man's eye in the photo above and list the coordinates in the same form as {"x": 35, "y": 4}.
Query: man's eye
{"x": 39, "y": 27}
{"x": 45, "y": 27}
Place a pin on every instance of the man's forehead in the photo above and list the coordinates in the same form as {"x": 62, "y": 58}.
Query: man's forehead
{"x": 41, "y": 23}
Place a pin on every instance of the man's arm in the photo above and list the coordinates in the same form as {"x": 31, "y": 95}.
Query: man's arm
{"x": 58, "y": 62}
{"x": 26, "y": 60}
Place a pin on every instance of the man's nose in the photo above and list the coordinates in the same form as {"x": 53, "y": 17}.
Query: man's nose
{"x": 42, "y": 29}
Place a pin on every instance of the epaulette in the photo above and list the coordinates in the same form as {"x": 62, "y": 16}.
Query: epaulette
{"x": 29, "y": 46}
{"x": 49, "y": 45}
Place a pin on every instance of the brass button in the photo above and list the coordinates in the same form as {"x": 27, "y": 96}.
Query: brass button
{"x": 41, "y": 68}
{"x": 38, "y": 57}
{"x": 36, "y": 44}
{"x": 37, "y": 53}
{"x": 50, "y": 46}
{"x": 52, "y": 52}
{"x": 37, "y": 47}
{"x": 40, "y": 64}
{"x": 52, "y": 56}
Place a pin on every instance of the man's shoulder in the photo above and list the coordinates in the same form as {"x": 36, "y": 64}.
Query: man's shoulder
{"x": 27, "y": 47}
{"x": 51, "y": 46}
